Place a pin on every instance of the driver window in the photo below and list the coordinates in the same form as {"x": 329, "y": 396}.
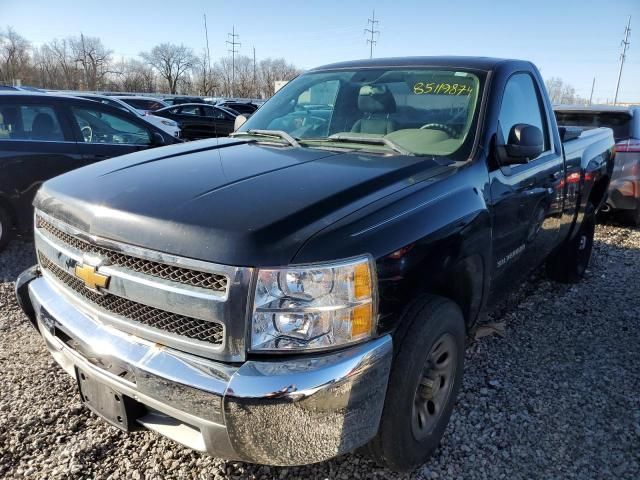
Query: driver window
{"x": 520, "y": 104}
{"x": 101, "y": 127}
{"x": 192, "y": 110}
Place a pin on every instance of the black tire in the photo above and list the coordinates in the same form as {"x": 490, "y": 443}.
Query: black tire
{"x": 401, "y": 442}
{"x": 633, "y": 217}
{"x": 569, "y": 262}
{"x": 6, "y": 228}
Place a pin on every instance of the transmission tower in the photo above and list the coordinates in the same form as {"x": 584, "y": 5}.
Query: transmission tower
{"x": 372, "y": 32}
{"x": 623, "y": 55}
{"x": 233, "y": 43}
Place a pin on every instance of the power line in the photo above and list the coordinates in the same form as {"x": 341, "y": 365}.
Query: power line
{"x": 371, "y": 30}
{"x": 623, "y": 55}
{"x": 233, "y": 35}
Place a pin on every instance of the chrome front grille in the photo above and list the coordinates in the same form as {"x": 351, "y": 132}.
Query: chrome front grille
{"x": 149, "y": 316}
{"x": 182, "y": 275}
{"x": 190, "y": 305}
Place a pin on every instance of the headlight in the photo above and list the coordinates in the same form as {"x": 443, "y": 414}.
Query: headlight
{"x": 314, "y": 307}
{"x": 169, "y": 123}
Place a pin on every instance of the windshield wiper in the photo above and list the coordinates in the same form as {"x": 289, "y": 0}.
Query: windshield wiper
{"x": 270, "y": 134}
{"x": 352, "y": 138}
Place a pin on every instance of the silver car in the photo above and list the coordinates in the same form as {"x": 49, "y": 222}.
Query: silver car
{"x": 167, "y": 125}
{"x": 624, "y": 189}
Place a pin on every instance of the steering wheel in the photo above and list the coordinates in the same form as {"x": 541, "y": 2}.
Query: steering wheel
{"x": 313, "y": 121}
{"x": 440, "y": 126}
{"x": 305, "y": 124}
{"x": 87, "y": 133}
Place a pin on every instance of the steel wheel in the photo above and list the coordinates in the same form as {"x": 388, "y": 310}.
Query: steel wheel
{"x": 434, "y": 389}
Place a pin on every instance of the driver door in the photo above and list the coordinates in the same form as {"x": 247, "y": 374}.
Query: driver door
{"x": 103, "y": 133}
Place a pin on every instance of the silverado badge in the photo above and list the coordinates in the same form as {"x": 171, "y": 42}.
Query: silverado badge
{"x": 92, "y": 279}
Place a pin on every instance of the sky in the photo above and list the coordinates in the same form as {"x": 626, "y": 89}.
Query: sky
{"x": 571, "y": 39}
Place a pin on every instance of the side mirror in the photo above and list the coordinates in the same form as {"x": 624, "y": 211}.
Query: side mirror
{"x": 525, "y": 142}
{"x": 157, "y": 139}
{"x": 239, "y": 121}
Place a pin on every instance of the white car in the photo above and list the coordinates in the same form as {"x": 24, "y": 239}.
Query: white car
{"x": 165, "y": 124}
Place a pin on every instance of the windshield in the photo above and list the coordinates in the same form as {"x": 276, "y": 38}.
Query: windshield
{"x": 422, "y": 111}
{"x": 144, "y": 104}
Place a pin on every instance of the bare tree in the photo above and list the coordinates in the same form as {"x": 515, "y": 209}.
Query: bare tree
{"x": 83, "y": 62}
{"x": 60, "y": 54}
{"x": 15, "y": 61}
{"x": 204, "y": 77}
{"x": 135, "y": 76}
{"x": 94, "y": 59}
{"x": 561, "y": 92}
{"x": 173, "y": 62}
{"x": 272, "y": 70}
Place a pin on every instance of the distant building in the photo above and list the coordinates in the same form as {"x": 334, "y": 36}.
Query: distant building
{"x": 278, "y": 84}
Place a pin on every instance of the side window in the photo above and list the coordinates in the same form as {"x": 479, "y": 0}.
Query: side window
{"x": 192, "y": 110}
{"x": 101, "y": 127}
{"x": 521, "y": 104}
{"x": 216, "y": 113}
{"x": 29, "y": 122}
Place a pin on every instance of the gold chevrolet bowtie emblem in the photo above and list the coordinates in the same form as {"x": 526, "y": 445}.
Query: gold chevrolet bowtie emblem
{"x": 90, "y": 276}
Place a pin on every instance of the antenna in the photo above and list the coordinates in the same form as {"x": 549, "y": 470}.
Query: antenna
{"x": 208, "y": 59}
{"x": 625, "y": 44}
{"x": 233, "y": 35}
{"x": 371, "y": 30}
{"x": 255, "y": 86}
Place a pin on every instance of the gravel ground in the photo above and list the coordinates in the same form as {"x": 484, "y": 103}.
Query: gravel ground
{"x": 557, "y": 397}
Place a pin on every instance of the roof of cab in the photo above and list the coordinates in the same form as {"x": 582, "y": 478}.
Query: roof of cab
{"x": 478, "y": 63}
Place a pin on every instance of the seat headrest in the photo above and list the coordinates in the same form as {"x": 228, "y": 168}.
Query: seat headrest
{"x": 376, "y": 99}
{"x": 42, "y": 126}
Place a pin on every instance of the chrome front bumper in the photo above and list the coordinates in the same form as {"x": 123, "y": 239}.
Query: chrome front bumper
{"x": 289, "y": 411}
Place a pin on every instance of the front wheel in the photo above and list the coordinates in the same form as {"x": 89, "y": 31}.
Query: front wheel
{"x": 6, "y": 228}
{"x": 423, "y": 384}
{"x": 569, "y": 263}
{"x": 633, "y": 216}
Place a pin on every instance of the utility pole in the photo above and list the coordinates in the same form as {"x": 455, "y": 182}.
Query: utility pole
{"x": 593, "y": 84}
{"x": 233, "y": 35}
{"x": 208, "y": 59}
{"x": 623, "y": 55}
{"x": 371, "y": 30}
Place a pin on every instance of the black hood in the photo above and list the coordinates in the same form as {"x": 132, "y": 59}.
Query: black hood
{"x": 229, "y": 202}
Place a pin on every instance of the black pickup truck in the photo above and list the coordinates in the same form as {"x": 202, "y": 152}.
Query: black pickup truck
{"x": 305, "y": 287}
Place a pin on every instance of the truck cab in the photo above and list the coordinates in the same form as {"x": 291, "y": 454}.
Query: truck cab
{"x": 305, "y": 287}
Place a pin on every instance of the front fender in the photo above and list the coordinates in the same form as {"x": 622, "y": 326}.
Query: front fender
{"x": 420, "y": 237}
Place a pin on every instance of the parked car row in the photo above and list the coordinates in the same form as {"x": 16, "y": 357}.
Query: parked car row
{"x": 43, "y": 135}
{"x": 124, "y": 103}
{"x": 200, "y": 120}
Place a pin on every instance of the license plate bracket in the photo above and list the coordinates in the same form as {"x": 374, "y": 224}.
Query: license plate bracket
{"x": 114, "y": 407}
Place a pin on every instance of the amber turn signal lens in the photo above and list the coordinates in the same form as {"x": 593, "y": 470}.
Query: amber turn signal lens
{"x": 361, "y": 321}
{"x": 362, "y": 281}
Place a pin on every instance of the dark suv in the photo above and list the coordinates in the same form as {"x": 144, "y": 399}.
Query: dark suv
{"x": 44, "y": 135}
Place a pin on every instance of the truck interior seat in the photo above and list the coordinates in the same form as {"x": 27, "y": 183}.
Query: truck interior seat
{"x": 376, "y": 103}
{"x": 43, "y": 127}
